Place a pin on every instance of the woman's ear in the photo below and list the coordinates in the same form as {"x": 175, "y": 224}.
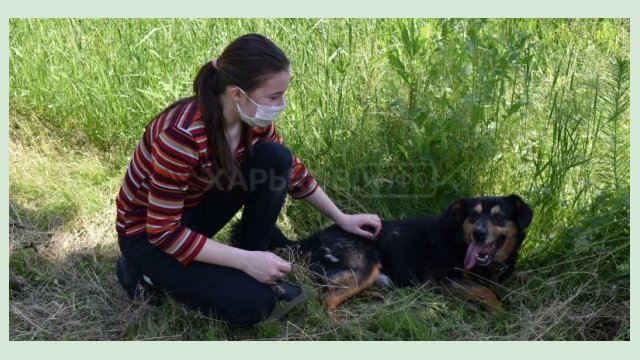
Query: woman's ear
{"x": 234, "y": 92}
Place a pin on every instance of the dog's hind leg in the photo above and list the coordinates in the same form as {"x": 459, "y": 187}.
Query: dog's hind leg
{"x": 381, "y": 282}
{"x": 344, "y": 286}
{"x": 374, "y": 294}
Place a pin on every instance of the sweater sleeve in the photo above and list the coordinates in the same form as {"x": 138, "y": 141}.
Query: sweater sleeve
{"x": 173, "y": 157}
{"x": 301, "y": 183}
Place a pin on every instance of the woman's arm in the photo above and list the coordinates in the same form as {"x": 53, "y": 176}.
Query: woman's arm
{"x": 350, "y": 223}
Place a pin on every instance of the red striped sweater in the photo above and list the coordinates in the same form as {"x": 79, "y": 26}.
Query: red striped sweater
{"x": 170, "y": 171}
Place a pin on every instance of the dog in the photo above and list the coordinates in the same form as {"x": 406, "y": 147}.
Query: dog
{"x": 468, "y": 249}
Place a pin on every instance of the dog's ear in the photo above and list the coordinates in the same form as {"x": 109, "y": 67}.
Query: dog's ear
{"x": 523, "y": 211}
{"x": 455, "y": 211}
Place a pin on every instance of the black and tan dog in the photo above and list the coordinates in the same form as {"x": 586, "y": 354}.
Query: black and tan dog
{"x": 467, "y": 249}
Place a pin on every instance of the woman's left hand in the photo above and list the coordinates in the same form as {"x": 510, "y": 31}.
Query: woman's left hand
{"x": 355, "y": 223}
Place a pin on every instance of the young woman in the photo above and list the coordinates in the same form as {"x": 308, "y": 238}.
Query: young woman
{"x": 200, "y": 161}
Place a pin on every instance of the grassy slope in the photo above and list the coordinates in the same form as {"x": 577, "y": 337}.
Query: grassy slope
{"x": 401, "y": 125}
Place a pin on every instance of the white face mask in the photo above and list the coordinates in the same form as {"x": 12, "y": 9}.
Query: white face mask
{"x": 264, "y": 116}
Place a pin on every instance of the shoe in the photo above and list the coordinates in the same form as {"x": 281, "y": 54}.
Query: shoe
{"x": 134, "y": 285}
{"x": 286, "y": 291}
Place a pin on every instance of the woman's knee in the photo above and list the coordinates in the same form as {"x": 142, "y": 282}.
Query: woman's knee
{"x": 272, "y": 156}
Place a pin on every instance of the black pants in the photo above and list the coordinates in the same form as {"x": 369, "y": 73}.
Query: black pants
{"x": 228, "y": 294}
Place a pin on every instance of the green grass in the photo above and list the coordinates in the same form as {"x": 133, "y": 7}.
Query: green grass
{"x": 393, "y": 116}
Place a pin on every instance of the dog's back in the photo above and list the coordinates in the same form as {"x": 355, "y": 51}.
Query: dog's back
{"x": 332, "y": 252}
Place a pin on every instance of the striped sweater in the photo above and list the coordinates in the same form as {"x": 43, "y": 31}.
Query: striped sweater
{"x": 170, "y": 171}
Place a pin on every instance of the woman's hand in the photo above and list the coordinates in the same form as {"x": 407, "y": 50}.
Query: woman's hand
{"x": 351, "y": 223}
{"x": 266, "y": 267}
{"x": 355, "y": 223}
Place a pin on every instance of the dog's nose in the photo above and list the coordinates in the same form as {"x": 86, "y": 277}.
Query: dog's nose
{"x": 479, "y": 233}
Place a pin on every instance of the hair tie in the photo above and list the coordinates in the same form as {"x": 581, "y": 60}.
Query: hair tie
{"x": 214, "y": 62}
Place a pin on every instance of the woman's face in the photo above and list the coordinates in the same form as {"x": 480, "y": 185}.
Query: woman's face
{"x": 269, "y": 93}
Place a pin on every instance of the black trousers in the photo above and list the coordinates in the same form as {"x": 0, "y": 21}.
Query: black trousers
{"x": 228, "y": 294}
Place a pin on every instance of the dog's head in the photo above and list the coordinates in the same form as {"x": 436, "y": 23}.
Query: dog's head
{"x": 492, "y": 227}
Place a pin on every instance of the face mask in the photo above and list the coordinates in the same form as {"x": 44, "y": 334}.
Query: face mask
{"x": 264, "y": 114}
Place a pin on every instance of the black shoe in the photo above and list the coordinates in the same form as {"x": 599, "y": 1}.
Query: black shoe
{"x": 134, "y": 285}
{"x": 286, "y": 291}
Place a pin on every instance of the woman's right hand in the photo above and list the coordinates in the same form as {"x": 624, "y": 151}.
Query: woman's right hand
{"x": 266, "y": 267}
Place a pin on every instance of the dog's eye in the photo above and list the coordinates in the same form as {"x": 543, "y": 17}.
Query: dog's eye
{"x": 473, "y": 217}
{"x": 498, "y": 218}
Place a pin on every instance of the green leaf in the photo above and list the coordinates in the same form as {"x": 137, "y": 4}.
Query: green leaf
{"x": 399, "y": 67}
{"x": 515, "y": 107}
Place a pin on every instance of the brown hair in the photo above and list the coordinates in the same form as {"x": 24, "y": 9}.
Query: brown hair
{"x": 246, "y": 62}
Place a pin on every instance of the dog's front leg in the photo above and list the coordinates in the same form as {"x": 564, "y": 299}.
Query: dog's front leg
{"x": 470, "y": 290}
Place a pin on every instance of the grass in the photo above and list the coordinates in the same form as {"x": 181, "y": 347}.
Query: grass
{"x": 393, "y": 116}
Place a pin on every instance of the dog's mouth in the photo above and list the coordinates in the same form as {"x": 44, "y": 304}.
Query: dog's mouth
{"x": 479, "y": 254}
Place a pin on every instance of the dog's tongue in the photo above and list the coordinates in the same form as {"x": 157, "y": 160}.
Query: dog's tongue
{"x": 472, "y": 253}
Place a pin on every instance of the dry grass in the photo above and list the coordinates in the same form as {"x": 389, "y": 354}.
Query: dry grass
{"x": 63, "y": 292}
{"x": 63, "y": 287}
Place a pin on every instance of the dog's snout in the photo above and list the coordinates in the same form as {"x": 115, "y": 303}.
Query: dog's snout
{"x": 479, "y": 233}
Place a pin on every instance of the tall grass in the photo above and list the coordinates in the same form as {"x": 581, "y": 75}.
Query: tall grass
{"x": 393, "y": 116}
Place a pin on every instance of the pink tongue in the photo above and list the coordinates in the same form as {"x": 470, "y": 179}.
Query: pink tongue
{"x": 472, "y": 253}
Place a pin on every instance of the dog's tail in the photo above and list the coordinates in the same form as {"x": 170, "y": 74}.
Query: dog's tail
{"x": 278, "y": 239}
